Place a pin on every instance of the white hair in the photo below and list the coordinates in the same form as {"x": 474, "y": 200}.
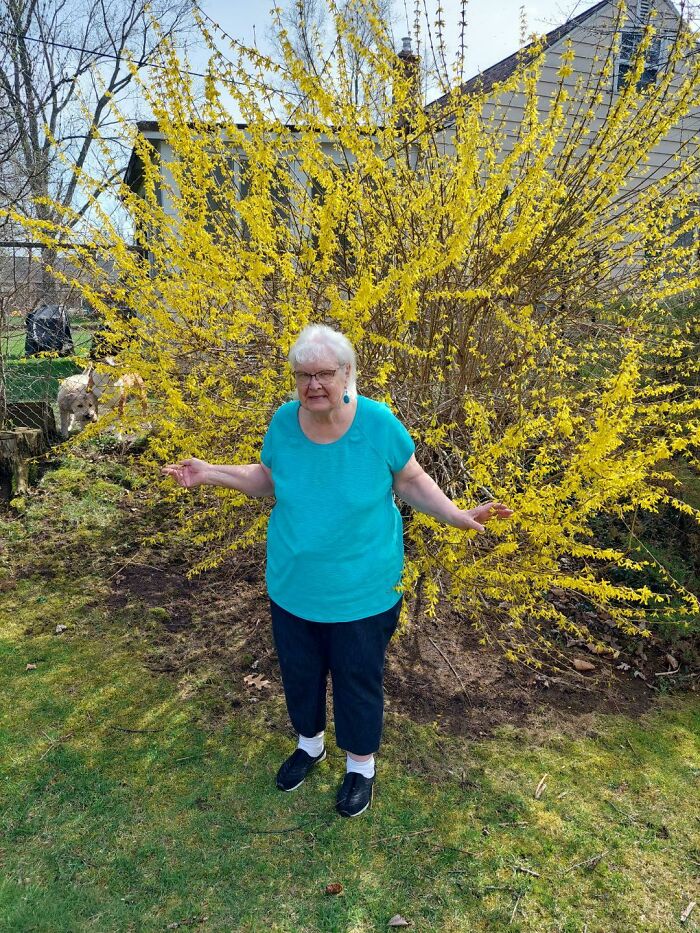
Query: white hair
{"x": 315, "y": 341}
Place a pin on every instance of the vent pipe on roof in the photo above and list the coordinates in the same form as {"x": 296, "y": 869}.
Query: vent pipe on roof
{"x": 409, "y": 65}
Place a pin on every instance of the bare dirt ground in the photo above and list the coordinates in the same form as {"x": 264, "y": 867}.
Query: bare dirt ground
{"x": 215, "y": 628}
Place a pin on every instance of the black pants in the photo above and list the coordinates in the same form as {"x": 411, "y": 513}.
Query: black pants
{"x": 353, "y": 653}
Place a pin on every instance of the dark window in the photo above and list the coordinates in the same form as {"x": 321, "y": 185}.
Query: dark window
{"x": 344, "y": 255}
{"x": 629, "y": 46}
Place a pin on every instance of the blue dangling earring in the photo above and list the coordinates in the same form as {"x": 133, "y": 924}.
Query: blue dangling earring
{"x": 346, "y": 397}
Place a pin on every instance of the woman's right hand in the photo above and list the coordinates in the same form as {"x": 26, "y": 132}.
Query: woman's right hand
{"x": 188, "y": 473}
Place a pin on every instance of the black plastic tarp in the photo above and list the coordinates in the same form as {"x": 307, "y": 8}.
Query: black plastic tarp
{"x": 48, "y": 330}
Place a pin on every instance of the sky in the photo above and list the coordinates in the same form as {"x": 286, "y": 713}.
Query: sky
{"x": 493, "y": 26}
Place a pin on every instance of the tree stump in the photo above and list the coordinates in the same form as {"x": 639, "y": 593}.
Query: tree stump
{"x": 17, "y": 448}
{"x": 33, "y": 415}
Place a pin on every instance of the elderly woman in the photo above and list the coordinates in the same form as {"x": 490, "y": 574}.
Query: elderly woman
{"x": 333, "y": 460}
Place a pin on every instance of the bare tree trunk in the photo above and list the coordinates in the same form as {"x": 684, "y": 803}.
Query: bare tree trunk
{"x": 51, "y": 54}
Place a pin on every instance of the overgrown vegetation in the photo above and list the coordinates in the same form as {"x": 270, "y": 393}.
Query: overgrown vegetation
{"x": 514, "y": 304}
{"x": 127, "y": 805}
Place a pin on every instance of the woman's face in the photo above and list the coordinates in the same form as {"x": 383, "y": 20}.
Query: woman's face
{"x": 324, "y": 391}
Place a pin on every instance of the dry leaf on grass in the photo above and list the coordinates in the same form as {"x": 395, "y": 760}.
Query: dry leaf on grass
{"x": 30, "y": 667}
{"x": 541, "y": 787}
{"x": 334, "y": 888}
{"x": 256, "y": 680}
{"x": 398, "y": 921}
{"x": 582, "y": 665}
{"x": 60, "y": 629}
{"x": 688, "y": 911}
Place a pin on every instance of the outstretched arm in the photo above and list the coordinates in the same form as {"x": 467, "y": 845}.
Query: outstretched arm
{"x": 253, "y": 479}
{"x": 413, "y": 485}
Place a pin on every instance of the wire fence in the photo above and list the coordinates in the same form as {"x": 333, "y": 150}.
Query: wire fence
{"x": 30, "y": 372}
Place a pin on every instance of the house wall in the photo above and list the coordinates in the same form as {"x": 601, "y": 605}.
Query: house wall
{"x": 168, "y": 189}
{"x": 592, "y": 41}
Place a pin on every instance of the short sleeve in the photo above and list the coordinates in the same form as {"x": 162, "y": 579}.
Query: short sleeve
{"x": 401, "y": 446}
{"x": 388, "y": 436}
{"x": 271, "y": 440}
{"x": 266, "y": 451}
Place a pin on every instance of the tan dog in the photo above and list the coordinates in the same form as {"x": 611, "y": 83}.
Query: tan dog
{"x": 78, "y": 396}
{"x": 131, "y": 383}
{"x": 77, "y": 403}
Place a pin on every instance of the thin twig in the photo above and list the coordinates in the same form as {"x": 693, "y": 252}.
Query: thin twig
{"x": 447, "y": 661}
{"x": 136, "y": 563}
{"x": 55, "y": 742}
{"x": 135, "y": 731}
{"x": 123, "y": 567}
{"x": 512, "y": 916}
{"x": 620, "y": 811}
{"x": 417, "y": 832}
{"x": 591, "y": 862}
{"x": 273, "y": 832}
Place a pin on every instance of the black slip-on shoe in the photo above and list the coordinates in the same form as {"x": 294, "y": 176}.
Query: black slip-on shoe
{"x": 354, "y": 794}
{"x": 294, "y": 770}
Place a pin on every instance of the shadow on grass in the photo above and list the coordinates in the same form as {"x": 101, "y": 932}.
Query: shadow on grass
{"x": 122, "y": 810}
{"x": 119, "y": 812}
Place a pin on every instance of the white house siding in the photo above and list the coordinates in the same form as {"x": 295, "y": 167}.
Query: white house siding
{"x": 589, "y": 39}
{"x": 167, "y": 189}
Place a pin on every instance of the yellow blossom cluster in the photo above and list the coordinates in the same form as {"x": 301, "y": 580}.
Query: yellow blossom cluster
{"x": 524, "y": 309}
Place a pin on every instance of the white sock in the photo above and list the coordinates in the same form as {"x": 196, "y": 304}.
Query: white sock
{"x": 365, "y": 768}
{"x": 312, "y": 746}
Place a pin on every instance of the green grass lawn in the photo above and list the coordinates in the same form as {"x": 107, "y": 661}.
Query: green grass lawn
{"x": 31, "y": 379}
{"x": 124, "y": 807}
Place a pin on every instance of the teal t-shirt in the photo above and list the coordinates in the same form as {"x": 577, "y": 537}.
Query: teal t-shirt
{"x": 335, "y": 536}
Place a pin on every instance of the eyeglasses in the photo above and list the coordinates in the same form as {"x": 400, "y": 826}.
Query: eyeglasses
{"x": 324, "y": 376}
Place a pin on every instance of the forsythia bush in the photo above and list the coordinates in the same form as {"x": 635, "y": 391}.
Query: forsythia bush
{"x": 511, "y": 301}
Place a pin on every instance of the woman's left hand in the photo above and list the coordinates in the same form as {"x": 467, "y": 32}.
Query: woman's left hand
{"x": 477, "y": 517}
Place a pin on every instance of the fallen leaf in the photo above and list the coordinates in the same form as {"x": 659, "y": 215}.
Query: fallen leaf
{"x": 334, "y": 888}
{"x": 398, "y": 921}
{"x": 256, "y": 680}
{"x": 582, "y": 665}
{"x": 671, "y": 660}
{"x": 541, "y": 787}
{"x": 688, "y": 911}
{"x": 30, "y": 667}
{"x": 598, "y": 649}
{"x": 60, "y": 629}
{"x": 623, "y": 667}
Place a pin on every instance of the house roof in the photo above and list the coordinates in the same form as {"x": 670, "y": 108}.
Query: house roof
{"x": 150, "y": 130}
{"x": 501, "y": 71}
